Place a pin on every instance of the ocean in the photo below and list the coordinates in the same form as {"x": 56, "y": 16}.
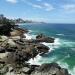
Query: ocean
{"x": 62, "y": 51}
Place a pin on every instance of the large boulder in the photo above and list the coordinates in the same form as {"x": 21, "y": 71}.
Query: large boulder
{"x": 42, "y": 48}
{"x": 43, "y": 38}
{"x": 50, "y": 69}
{"x": 18, "y": 57}
{"x": 47, "y": 66}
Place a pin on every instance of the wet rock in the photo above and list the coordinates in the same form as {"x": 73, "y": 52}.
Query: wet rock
{"x": 43, "y": 38}
{"x": 42, "y": 48}
{"x": 64, "y": 71}
{"x": 47, "y": 67}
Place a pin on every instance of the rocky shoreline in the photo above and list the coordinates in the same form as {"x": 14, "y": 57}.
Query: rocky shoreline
{"x": 15, "y": 51}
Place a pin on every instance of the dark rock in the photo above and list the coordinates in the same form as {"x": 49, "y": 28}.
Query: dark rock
{"x": 47, "y": 67}
{"x": 64, "y": 71}
{"x": 42, "y": 48}
{"x": 2, "y": 62}
{"x": 18, "y": 57}
{"x": 43, "y": 38}
{"x": 50, "y": 69}
{"x": 2, "y": 50}
{"x": 10, "y": 50}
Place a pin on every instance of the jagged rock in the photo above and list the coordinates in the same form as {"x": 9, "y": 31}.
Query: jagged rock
{"x": 25, "y": 70}
{"x": 42, "y": 48}
{"x": 50, "y": 69}
{"x": 22, "y": 30}
{"x": 43, "y": 38}
{"x": 18, "y": 57}
{"x": 4, "y": 70}
{"x": 47, "y": 67}
{"x": 10, "y": 49}
{"x": 18, "y": 32}
{"x": 2, "y": 50}
{"x": 64, "y": 71}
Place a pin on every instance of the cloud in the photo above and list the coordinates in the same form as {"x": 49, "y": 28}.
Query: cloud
{"x": 37, "y": 6}
{"x": 45, "y": 6}
{"x": 69, "y": 7}
{"x": 12, "y": 1}
{"x": 34, "y": 5}
{"x": 48, "y": 7}
{"x": 39, "y": 0}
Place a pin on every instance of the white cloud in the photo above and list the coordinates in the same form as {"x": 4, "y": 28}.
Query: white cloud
{"x": 12, "y": 1}
{"x": 48, "y": 7}
{"x": 69, "y": 7}
{"x": 39, "y": 0}
{"x": 37, "y": 6}
{"x": 34, "y": 5}
{"x": 45, "y": 6}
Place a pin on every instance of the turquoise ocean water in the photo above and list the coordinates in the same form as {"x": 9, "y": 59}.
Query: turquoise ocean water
{"x": 62, "y": 51}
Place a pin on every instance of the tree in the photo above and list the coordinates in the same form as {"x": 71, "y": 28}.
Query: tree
{"x": 5, "y": 25}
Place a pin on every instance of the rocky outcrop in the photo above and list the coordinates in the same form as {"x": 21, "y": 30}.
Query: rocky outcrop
{"x": 43, "y": 38}
{"x": 19, "y": 32}
{"x": 19, "y": 51}
{"x": 42, "y": 49}
{"x": 50, "y": 69}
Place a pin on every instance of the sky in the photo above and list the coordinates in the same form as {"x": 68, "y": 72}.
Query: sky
{"x": 52, "y": 11}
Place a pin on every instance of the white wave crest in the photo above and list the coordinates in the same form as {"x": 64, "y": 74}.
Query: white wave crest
{"x": 35, "y": 60}
{"x": 29, "y": 36}
{"x": 60, "y": 34}
{"x": 54, "y": 45}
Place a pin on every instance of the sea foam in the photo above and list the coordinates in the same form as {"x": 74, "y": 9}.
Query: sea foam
{"x": 54, "y": 45}
{"x": 65, "y": 65}
{"x": 38, "y": 60}
{"x": 60, "y": 34}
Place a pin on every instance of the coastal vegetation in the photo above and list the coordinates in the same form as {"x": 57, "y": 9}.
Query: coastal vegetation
{"x": 5, "y": 25}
